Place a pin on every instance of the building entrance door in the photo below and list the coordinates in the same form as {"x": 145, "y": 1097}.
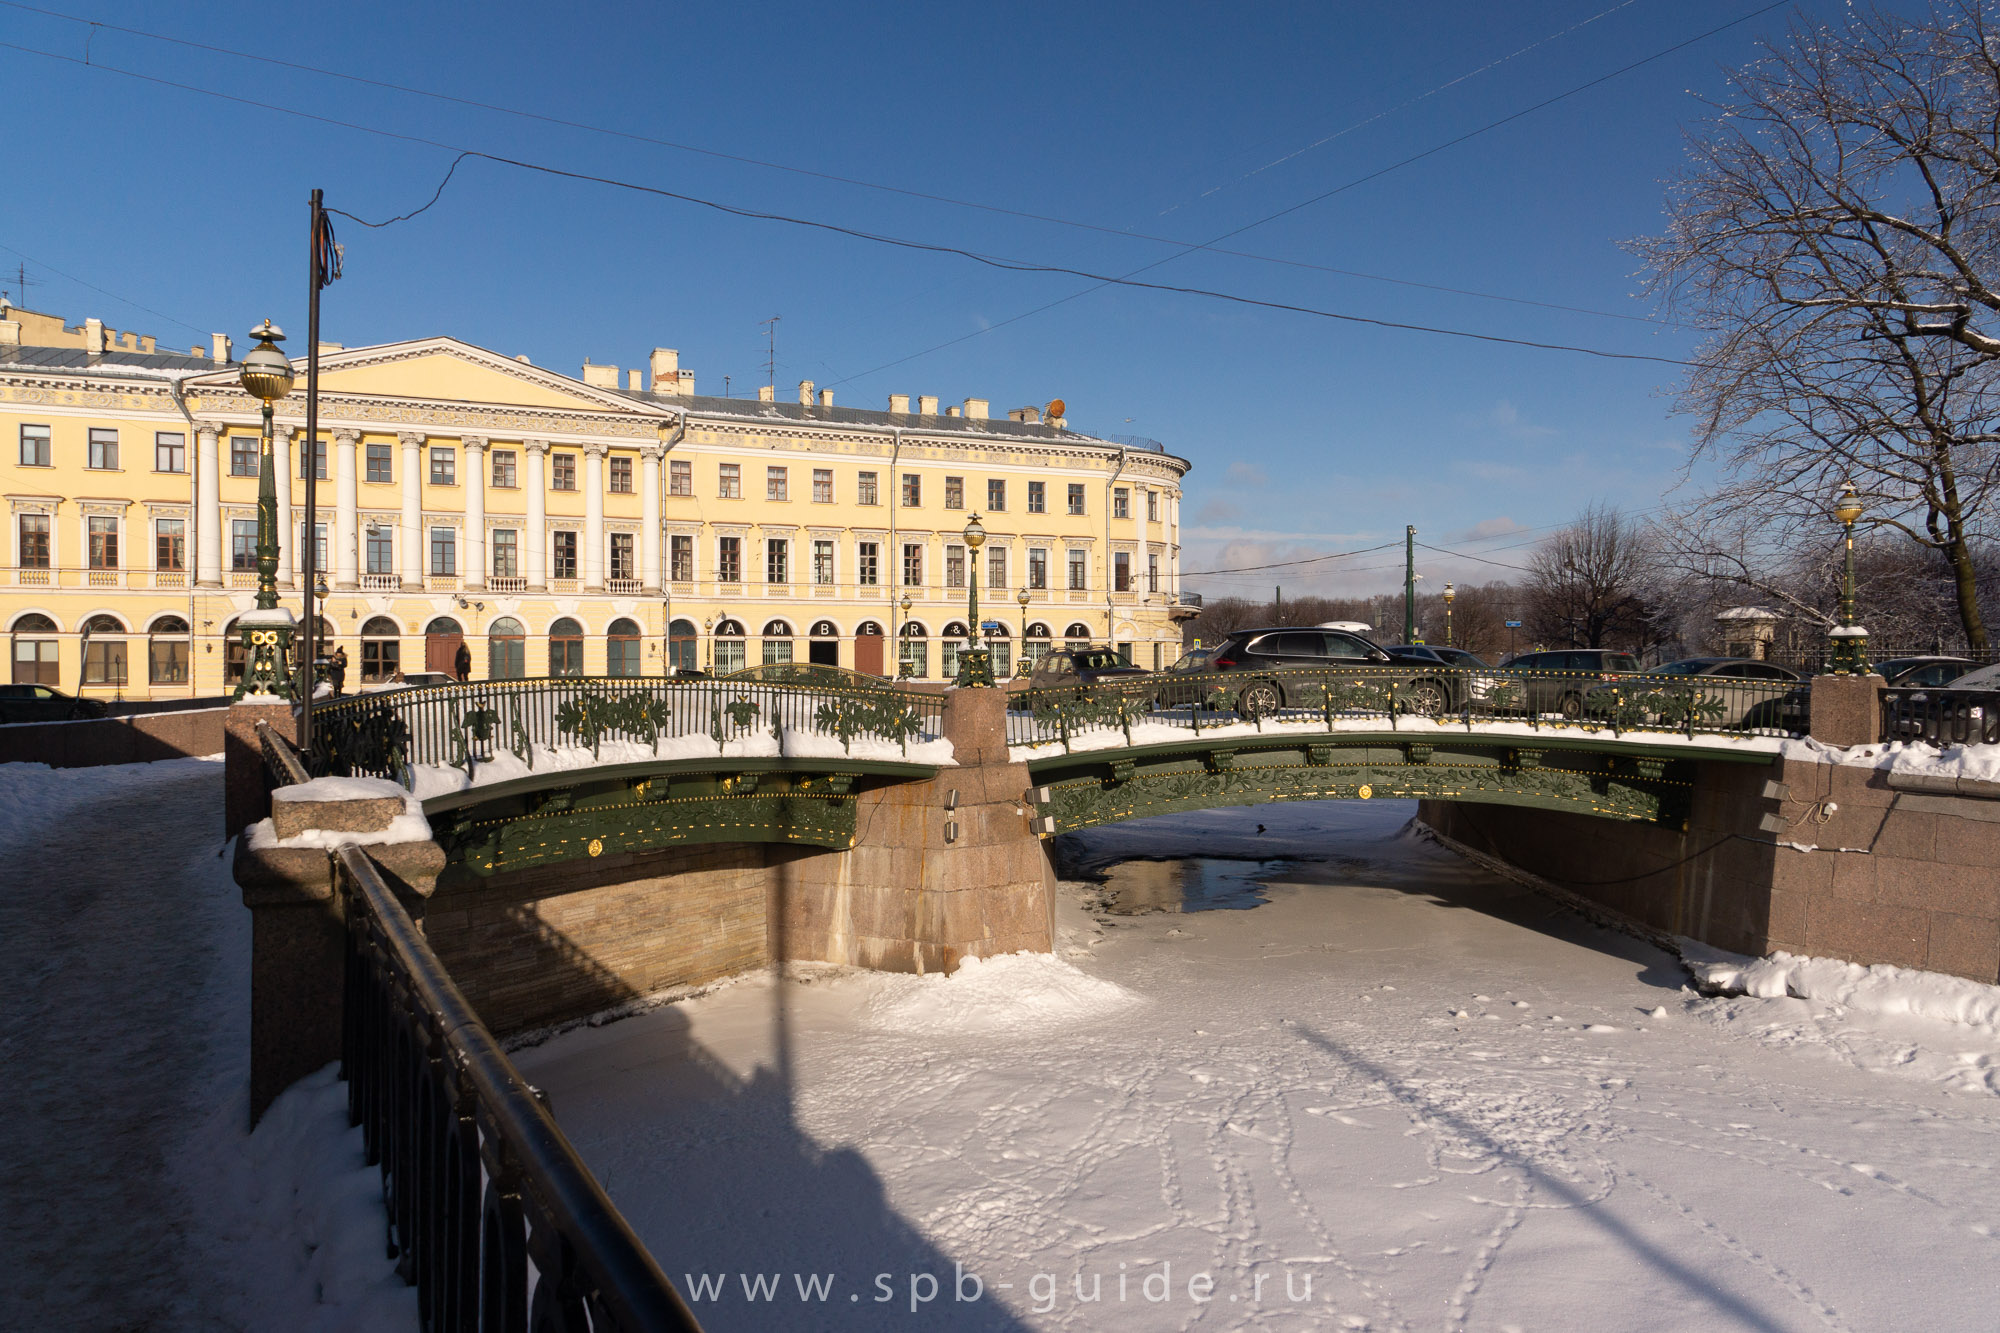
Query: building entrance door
{"x": 868, "y": 653}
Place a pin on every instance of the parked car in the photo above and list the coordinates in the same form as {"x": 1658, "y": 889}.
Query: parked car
{"x": 1268, "y": 659}
{"x": 1728, "y": 691}
{"x": 40, "y": 703}
{"x": 1554, "y": 681}
{"x": 1081, "y": 666}
{"x": 1442, "y": 655}
{"x": 1959, "y": 711}
{"x": 1917, "y": 673}
{"x": 1986, "y": 678}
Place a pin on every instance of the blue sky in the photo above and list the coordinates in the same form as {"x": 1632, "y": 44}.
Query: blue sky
{"x": 1308, "y": 435}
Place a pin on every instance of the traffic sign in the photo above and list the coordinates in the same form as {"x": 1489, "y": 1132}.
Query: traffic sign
{"x": 1513, "y": 624}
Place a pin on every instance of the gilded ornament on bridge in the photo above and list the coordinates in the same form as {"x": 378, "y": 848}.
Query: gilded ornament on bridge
{"x": 597, "y": 846}
{"x": 1365, "y": 792}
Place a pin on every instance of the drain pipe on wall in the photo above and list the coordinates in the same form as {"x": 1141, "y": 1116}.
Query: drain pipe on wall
{"x": 893, "y": 555}
{"x": 1110, "y": 607}
{"x": 664, "y": 545}
{"x": 193, "y": 548}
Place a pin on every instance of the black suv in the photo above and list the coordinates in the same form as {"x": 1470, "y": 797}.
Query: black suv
{"x": 1431, "y": 689}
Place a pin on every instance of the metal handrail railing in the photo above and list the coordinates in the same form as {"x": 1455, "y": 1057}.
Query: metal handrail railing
{"x": 1942, "y": 716}
{"x": 479, "y": 1182}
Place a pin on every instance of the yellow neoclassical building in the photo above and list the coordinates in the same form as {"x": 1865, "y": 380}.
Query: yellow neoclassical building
{"x": 611, "y": 523}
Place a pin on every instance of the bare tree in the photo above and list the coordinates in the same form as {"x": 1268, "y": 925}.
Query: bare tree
{"x": 1584, "y": 584}
{"x": 1838, "y": 235}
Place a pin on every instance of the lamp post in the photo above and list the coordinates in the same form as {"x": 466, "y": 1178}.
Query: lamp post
{"x": 1850, "y": 641}
{"x": 1448, "y": 595}
{"x": 975, "y": 663}
{"x": 902, "y": 633}
{"x": 1023, "y": 598}
{"x": 267, "y": 630}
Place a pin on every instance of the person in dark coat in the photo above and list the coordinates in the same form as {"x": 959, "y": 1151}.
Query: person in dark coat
{"x": 337, "y": 669}
{"x": 461, "y": 665}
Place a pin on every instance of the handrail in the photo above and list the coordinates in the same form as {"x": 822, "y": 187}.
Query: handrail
{"x": 440, "y": 1105}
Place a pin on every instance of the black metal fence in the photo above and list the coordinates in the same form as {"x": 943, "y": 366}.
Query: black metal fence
{"x": 1328, "y": 698}
{"x": 386, "y": 733}
{"x": 492, "y": 1215}
{"x": 1942, "y": 717}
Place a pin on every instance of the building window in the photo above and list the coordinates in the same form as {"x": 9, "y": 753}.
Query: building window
{"x": 1079, "y": 569}
{"x": 865, "y": 492}
{"x": 996, "y": 570}
{"x": 563, "y": 565}
{"x": 381, "y": 463}
{"x": 103, "y": 659}
{"x": 104, "y": 449}
{"x": 36, "y": 450}
{"x": 167, "y": 651}
{"x": 562, "y": 472}
{"x": 35, "y": 660}
{"x": 170, "y": 544}
{"x": 777, "y": 560}
{"x": 621, "y": 478}
{"x": 913, "y": 565}
{"x": 680, "y": 477}
{"x": 822, "y": 485}
{"x": 1121, "y": 503}
{"x": 1038, "y": 568}
{"x": 996, "y": 497}
{"x": 868, "y": 564}
{"x": 318, "y": 544}
{"x": 503, "y": 469}
{"x": 777, "y": 483}
{"x": 382, "y": 550}
{"x": 1038, "y": 497}
{"x": 913, "y": 490}
{"x": 729, "y": 559}
{"x": 169, "y": 451}
{"x": 314, "y": 458}
{"x": 730, "y": 481}
{"x": 243, "y": 455}
{"x": 444, "y": 466}
{"x": 506, "y": 647}
{"x": 777, "y": 644}
{"x": 381, "y": 650}
{"x": 823, "y": 563}
{"x": 954, "y": 492}
{"x": 728, "y": 647}
{"x": 34, "y": 541}
{"x": 954, "y": 566}
{"x": 1121, "y": 571}
{"x": 1152, "y": 506}
{"x": 1076, "y": 497}
{"x": 681, "y": 566}
{"x": 565, "y": 647}
{"x": 623, "y": 566}
{"x": 104, "y": 543}
{"x": 506, "y": 553}
{"x": 621, "y": 648}
{"x": 1152, "y": 573}
{"x": 1077, "y": 636}
{"x": 243, "y": 544}
{"x": 915, "y": 656}
{"x": 444, "y": 551}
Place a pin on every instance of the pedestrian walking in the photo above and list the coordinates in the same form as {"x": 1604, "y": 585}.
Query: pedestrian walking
{"x": 461, "y": 665}
{"x": 337, "y": 669}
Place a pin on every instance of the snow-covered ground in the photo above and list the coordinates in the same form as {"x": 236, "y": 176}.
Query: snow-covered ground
{"x": 1421, "y": 1090}
{"x": 134, "y": 1195}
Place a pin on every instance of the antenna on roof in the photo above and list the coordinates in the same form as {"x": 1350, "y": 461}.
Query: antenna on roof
{"x": 770, "y": 327}
{"x": 19, "y": 296}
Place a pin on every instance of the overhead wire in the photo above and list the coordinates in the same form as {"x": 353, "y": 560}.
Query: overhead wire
{"x": 103, "y": 291}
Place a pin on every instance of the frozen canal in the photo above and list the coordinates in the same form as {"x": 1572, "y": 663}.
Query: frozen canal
{"x": 1373, "y": 1088}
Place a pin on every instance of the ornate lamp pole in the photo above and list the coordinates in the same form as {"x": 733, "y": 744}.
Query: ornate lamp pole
{"x": 975, "y": 663}
{"x": 1850, "y": 641}
{"x": 1022, "y": 598}
{"x": 1448, "y": 595}
{"x": 267, "y": 631}
{"x": 902, "y": 633}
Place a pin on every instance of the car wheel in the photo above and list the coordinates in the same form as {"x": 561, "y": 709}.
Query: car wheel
{"x": 1259, "y": 700}
{"x": 1426, "y": 697}
{"x": 1571, "y": 706}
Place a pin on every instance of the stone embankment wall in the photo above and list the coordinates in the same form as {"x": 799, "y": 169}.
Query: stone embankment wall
{"x": 135, "y": 739}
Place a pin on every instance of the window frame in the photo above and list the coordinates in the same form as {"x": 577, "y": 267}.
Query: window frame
{"x": 24, "y": 551}
{"x": 622, "y": 558}
{"x": 822, "y": 483}
{"x": 679, "y": 544}
{"x": 912, "y": 490}
{"x": 101, "y": 541}
{"x": 564, "y": 560}
{"x": 448, "y": 549}
{"x": 1038, "y": 497}
{"x": 174, "y": 454}
{"x": 378, "y": 463}
{"x": 45, "y": 440}
{"x": 778, "y": 484}
{"x": 1121, "y": 502}
{"x": 562, "y": 471}
{"x": 729, "y": 481}
{"x": 176, "y": 563}
{"x": 867, "y": 564}
{"x": 868, "y": 488}
{"x": 954, "y": 492}
{"x": 448, "y": 474}
{"x": 505, "y": 542}
{"x": 778, "y": 561}
{"x": 1076, "y": 563}
{"x": 103, "y": 446}
{"x": 996, "y": 495}
{"x": 618, "y": 475}
{"x": 728, "y": 559}
{"x": 913, "y": 564}
{"x": 245, "y": 461}
{"x": 1075, "y": 501}
{"x": 503, "y": 463}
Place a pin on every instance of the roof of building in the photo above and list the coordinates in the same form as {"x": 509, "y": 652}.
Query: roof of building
{"x": 75, "y": 358}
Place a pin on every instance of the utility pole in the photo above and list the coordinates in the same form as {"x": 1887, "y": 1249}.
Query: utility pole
{"x": 770, "y": 327}
{"x": 1410, "y": 583}
{"x": 1278, "y": 606}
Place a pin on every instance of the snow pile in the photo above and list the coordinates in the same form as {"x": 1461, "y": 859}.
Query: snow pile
{"x": 1979, "y": 762}
{"x": 1016, "y": 992}
{"x": 410, "y": 826}
{"x": 1878, "y": 989}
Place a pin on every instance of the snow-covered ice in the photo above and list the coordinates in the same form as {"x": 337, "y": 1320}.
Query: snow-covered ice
{"x": 1436, "y": 1096}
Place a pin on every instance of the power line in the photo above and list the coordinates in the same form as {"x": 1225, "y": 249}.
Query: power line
{"x": 925, "y": 196}
{"x": 124, "y": 300}
{"x": 991, "y": 261}
{"x": 1480, "y": 558}
{"x": 1285, "y": 564}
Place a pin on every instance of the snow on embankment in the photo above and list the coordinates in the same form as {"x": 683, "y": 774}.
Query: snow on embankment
{"x": 1010, "y": 993}
{"x": 1878, "y": 989}
{"x": 1980, "y": 762}
{"x": 410, "y": 826}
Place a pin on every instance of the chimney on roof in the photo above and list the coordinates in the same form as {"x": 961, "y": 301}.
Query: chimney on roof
{"x": 976, "y": 408}
{"x": 665, "y": 363}
{"x": 951, "y": 411}
{"x": 684, "y": 382}
{"x": 899, "y": 404}
{"x": 600, "y": 377}
{"x": 219, "y": 347}
{"x": 635, "y": 379}
{"x": 146, "y": 344}
{"x": 766, "y": 394}
{"x": 927, "y": 404}
{"x": 93, "y": 336}
{"x": 1027, "y": 416}
{"x": 805, "y": 393}
{"x": 10, "y": 331}
{"x": 826, "y": 398}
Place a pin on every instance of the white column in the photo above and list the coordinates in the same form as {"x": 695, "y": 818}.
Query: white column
{"x": 412, "y": 535}
{"x": 346, "y": 553}
{"x": 1174, "y": 540}
{"x": 652, "y": 575}
{"x": 473, "y": 568}
{"x": 208, "y": 509}
{"x": 281, "y": 466}
{"x": 1139, "y": 494}
{"x": 535, "y": 541}
{"x": 593, "y": 517}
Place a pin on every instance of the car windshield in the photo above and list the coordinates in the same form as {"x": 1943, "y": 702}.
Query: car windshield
{"x": 1195, "y": 661}
{"x": 1691, "y": 667}
{"x": 1099, "y": 659}
{"x": 1986, "y": 678}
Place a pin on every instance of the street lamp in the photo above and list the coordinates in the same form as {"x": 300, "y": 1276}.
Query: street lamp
{"x": 267, "y": 630}
{"x": 1448, "y": 595}
{"x": 1850, "y": 641}
{"x": 975, "y": 664}
{"x": 1023, "y": 599}
{"x": 902, "y": 633}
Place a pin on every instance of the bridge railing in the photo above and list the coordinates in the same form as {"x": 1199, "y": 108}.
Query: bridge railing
{"x": 1331, "y": 698}
{"x": 492, "y": 1215}
{"x": 386, "y": 733}
{"x": 1942, "y": 717}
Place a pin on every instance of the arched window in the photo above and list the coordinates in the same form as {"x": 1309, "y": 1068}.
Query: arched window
{"x": 506, "y": 650}
{"x": 1077, "y": 636}
{"x": 104, "y": 651}
{"x": 728, "y": 647}
{"x": 914, "y": 659}
{"x": 1001, "y": 649}
{"x": 683, "y": 643}
{"x": 954, "y": 641}
{"x": 867, "y": 627}
{"x": 381, "y": 650}
{"x": 1034, "y": 646}
{"x": 565, "y": 648}
{"x": 35, "y": 659}
{"x": 167, "y": 649}
{"x": 824, "y": 647}
{"x": 621, "y": 648}
{"x": 777, "y": 644}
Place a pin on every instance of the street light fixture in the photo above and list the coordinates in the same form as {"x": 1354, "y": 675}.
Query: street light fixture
{"x": 267, "y": 630}
{"x": 1448, "y": 595}
{"x": 1850, "y": 641}
{"x": 902, "y": 633}
{"x": 975, "y": 664}
{"x": 1023, "y": 598}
